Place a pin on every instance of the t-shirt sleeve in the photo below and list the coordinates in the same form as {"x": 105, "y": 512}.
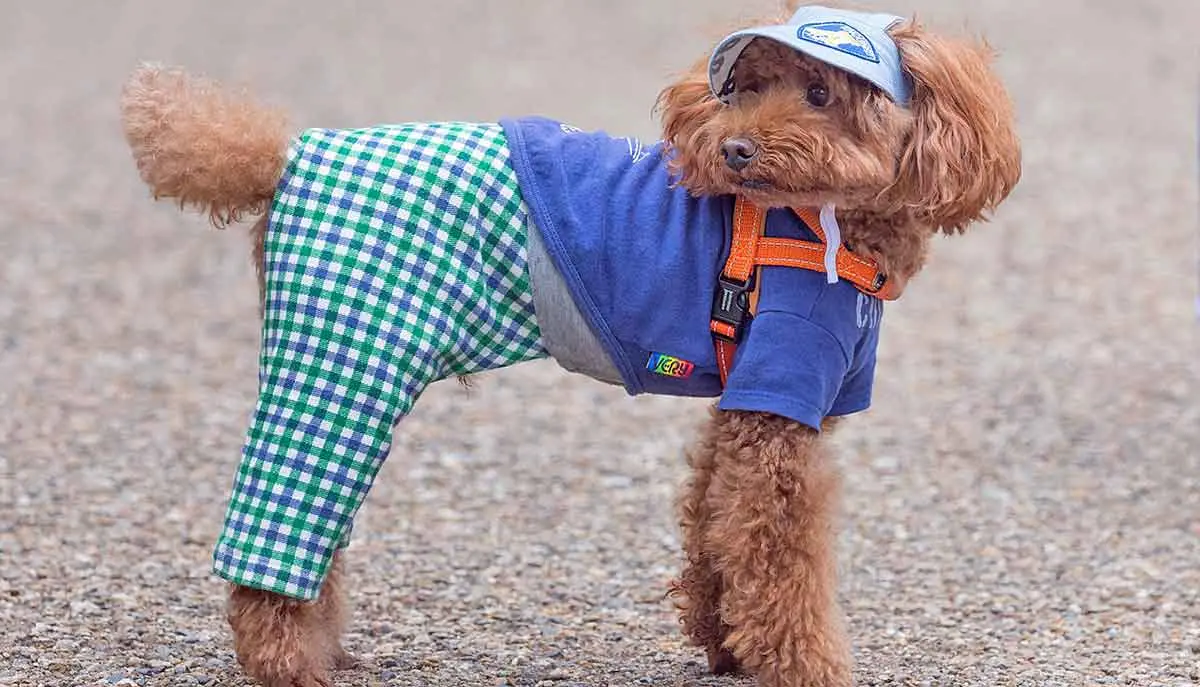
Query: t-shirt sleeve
{"x": 788, "y": 366}
{"x": 856, "y": 390}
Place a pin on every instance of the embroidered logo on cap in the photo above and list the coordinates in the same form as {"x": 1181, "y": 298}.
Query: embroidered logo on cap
{"x": 841, "y": 37}
{"x": 669, "y": 366}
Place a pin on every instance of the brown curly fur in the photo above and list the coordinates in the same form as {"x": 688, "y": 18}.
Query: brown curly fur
{"x": 897, "y": 175}
{"x": 758, "y": 587}
{"x": 209, "y": 149}
{"x": 289, "y": 643}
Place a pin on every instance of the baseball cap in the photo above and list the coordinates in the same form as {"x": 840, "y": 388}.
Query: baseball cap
{"x": 856, "y": 42}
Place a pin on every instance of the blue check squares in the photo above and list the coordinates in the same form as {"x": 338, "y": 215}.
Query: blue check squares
{"x": 394, "y": 257}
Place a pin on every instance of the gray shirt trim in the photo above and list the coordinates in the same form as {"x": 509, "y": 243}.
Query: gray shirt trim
{"x": 565, "y": 333}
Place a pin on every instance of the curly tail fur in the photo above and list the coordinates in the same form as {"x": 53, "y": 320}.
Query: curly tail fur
{"x": 211, "y": 150}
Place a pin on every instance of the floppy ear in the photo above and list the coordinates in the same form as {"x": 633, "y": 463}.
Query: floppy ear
{"x": 963, "y": 157}
{"x": 685, "y": 106}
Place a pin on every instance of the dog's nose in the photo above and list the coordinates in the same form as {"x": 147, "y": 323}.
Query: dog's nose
{"x": 738, "y": 152}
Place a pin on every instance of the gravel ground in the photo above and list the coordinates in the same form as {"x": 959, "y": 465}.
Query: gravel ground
{"x": 1022, "y": 503}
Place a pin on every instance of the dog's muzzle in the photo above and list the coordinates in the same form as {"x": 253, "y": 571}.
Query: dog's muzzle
{"x": 738, "y": 152}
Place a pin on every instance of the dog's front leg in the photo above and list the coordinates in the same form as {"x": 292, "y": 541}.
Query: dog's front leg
{"x": 773, "y": 498}
{"x": 697, "y": 591}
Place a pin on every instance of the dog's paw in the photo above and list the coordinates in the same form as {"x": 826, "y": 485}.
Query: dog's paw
{"x": 343, "y": 660}
{"x": 810, "y": 671}
{"x": 291, "y": 670}
{"x": 723, "y": 662}
{"x": 307, "y": 679}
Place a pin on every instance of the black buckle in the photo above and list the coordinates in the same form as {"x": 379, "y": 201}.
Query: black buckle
{"x": 731, "y": 305}
{"x": 880, "y": 280}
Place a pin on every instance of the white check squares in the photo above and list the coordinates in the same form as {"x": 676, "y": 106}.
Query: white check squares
{"x": 394, "y": 257}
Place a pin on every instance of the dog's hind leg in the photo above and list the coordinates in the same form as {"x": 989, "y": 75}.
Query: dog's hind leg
{"x": 289, "y": 643}
{"x": 280, "y": 641}
{"x": 361, "y": 314}
{"x": 334, "y": 383}
{"x": 773, "y": 497}
{"x": 697, "y": 591}
{"x": 331, "y": 607}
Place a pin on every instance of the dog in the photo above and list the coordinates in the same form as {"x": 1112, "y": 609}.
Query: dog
{"x": 390, "y": 257}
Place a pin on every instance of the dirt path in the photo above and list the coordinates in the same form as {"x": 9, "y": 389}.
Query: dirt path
{"x": 1022, "y": 504}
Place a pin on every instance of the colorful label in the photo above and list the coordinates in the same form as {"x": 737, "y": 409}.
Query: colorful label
{"x": 669, "y": 366}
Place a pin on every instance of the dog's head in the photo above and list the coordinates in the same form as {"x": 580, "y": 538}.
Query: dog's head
{"x": 786, "y": 126}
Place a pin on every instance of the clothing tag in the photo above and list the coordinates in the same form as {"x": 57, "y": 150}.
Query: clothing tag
{"x": 669, "y": 366}
{"x": 833, "y": 241}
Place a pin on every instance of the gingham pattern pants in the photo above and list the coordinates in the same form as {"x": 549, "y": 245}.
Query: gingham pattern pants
{"x": 395, "y": 256}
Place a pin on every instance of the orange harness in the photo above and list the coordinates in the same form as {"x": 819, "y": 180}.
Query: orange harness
{"x": 737, "y": 290}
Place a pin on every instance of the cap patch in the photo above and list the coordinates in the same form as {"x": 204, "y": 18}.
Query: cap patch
{"x": 839, "y": 36}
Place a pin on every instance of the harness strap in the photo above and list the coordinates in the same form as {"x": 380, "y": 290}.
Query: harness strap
{"x": 731, "y": 303}
{"x": 860, "y": 271}
{"x": 736, "y": 294}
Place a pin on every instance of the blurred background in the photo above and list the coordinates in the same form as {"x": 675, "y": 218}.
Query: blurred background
{"x": 1022, "y": 503}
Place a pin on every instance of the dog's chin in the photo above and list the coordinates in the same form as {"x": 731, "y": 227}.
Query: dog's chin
{"x": 764, "y": 194}
{"x": 769, "y": 194}
{"x": 757, "y": 185}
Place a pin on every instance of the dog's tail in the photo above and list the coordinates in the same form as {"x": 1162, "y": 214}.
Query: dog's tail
{"x": 211, "y": 150}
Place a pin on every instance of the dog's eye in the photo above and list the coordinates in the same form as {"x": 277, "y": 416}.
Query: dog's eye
{"x": 817, "y": 95}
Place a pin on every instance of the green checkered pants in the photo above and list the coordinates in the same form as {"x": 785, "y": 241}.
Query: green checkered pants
{"x": 394, "y": 257}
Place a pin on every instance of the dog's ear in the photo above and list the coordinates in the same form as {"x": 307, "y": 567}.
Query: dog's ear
{"x": 685, "y": 106}
{"x": 963, "y": 157}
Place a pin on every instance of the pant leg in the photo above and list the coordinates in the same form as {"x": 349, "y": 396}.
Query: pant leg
{"x": 335, "y": 379}
{"x": 394, "y": 257}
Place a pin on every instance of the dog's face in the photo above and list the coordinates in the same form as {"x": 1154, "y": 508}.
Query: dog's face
{"x": 799, "y": 132}
{"x": 795, "y": 131}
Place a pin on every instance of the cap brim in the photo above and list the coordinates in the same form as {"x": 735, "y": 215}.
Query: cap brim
{"x": 720, "y": 65}
{"x": 874, "y": 69}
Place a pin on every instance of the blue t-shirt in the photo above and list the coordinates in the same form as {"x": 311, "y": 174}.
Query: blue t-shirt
{"x": 641, "y": 256}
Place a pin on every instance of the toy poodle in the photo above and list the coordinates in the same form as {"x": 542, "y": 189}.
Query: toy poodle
{"x": 804, "y": 166}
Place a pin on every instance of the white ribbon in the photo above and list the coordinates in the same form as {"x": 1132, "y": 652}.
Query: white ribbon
{"x": 833, "y": 241}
